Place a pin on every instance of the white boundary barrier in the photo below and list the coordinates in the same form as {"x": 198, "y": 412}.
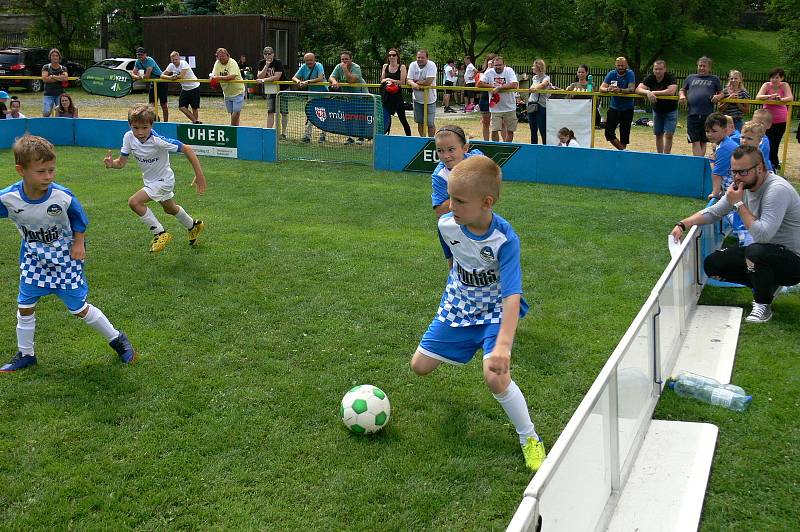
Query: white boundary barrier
{"x": 580, "y": 482}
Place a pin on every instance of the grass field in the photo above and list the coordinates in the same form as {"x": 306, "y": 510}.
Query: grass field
{"x": 311, "y": 278}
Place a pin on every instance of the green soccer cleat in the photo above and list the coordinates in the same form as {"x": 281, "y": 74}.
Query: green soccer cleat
{"x": 534, "y": 454}
{"x": 160, "y": 241}
{"x": 195, "y": 231}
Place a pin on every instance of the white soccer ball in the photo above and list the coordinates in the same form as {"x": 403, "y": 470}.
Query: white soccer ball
{"x": 365, "y": 409}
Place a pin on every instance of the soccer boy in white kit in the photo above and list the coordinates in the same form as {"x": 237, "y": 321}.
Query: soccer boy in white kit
{"x": 151, "y": 151}
{"x": 52, "y": 224}
{"x": 482, "y": 301}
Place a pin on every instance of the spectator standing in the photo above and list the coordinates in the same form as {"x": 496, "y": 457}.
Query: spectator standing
{"x": 469, "y": 82}
{"x": 581, "y": 84}
{"x": 450, "y": 78}
{"x": 700, "y": 92}
{"x": 226, "y": 71}
{"x": 393, "y": 74}
{"x": 621, "y": 80}
{"x": 421, "y": 74}
{"x": 66, "y": 109}
{"x": 54, "y": 76}
{"x": 310, "y": 72}
{"x": 773, "y": 93}
{"x": 665, "y": 112}
{"x": 503, "y": 104}
{"x": 145, "y": 68}
{"x": 271, "y": 69}
{"x": 190, "y": 88}
{"x": 348, "y": 72}
{"x": 483, "y": 99}
{"x": 735, "y": 89}
{"x": 537, "y": 102}
{"x": 770, "y": 209}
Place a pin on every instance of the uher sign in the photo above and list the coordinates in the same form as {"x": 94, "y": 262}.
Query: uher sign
{"x": 216, "y": 141}
{"x": 426, "y": 159}
{"x": 352, "y": 117}
{"x": 103, "y": 81}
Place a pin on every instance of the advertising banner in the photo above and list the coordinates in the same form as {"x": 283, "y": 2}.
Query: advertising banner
{"x": 353, "y": 117}
{"x": 216, "y": 141}
{"x": 111, "y": 82}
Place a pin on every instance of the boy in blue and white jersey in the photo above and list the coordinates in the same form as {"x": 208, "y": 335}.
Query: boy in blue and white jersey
{"x": 151, "y": 151}
{"x": 451, "y": 149}
{"x": 52, "y": 224}
{"x": 482, "y": 301}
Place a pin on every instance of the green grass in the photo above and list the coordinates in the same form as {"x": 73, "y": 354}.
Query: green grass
{"x": 309, "y": 279}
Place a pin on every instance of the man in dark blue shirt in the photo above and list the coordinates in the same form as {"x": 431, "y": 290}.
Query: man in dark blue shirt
{"x": 621, "y": 80}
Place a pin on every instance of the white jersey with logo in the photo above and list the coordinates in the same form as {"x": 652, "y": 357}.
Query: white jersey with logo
{"x": 508, "y": 99}
{"x": 46, "y": 226}
{"x": 153, "y": 157}
{"x": 486, "y": 268}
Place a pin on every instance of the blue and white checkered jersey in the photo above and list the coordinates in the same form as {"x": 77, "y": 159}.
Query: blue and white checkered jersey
{"x": 486, "y": 268}
{"x": 46, "y": 226}
{"x": 152, "y": 156}
{"x": 439, "y": 180}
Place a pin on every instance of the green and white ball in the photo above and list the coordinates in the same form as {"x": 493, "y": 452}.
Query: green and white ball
{"x": 365, "y": 409}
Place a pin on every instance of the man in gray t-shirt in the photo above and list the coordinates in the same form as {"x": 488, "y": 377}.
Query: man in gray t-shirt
{"x": 700, "y": 92}
{"x": 770, "y": 209}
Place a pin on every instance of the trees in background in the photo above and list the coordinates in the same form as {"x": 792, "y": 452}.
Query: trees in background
{"x": 788, "y": 12}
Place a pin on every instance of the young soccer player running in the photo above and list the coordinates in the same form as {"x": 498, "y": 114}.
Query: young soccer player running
{"x": 451, "y": 149}
{"x": 482, "y": 301}
{"x": 151, "y": 151}
{"x": 52, "y": 224}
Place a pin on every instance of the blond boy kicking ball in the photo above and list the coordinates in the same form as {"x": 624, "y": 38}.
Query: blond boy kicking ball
{"x": 482, "y": 301}
{"x": 52, "y": 225}
{"x": 151, "y": 151}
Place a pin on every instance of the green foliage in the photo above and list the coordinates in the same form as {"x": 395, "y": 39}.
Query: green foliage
{"x": 200, "y": 7}
{"x": 788, "y": 13}
{"x": 65, "y": 22}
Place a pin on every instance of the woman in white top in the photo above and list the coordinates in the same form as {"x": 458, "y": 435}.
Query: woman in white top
{"x": 537, "y": 102}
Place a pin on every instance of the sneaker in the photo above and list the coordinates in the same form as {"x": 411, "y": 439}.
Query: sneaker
{"x": 198, "y": 122}
{"x": 160, "y": 241}
{"x": 534, "y": 454}
{"x": 322, "y": 138}
{"x": 449, "y": 110}
{"x": 123, "y": 347}
{"x": 359, "y": 141}
{"x": 195, "y": 231}
{"x": 349, "y": 140}
{"x": 761, "y": 313}
{"x": 19, "y": 361}
{"x": 306, "y": 139}
{"x": 283, "y": 136}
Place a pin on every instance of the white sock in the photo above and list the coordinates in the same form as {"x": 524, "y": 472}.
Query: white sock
{"x": 516, "y": 408}
{"x": 151, "y": 222}
{"x": 185, "y": 220}
{"x": 97, "y": 320}
{"x": 26, "y": 327}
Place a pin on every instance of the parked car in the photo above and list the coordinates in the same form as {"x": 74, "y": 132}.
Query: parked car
{"x": 19, "y": 61}
{"x": 123, "y": 63}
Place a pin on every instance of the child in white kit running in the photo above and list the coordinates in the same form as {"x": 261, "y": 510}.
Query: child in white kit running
{"x": 482, "y": 301}
{"x": 52, "y": 224}
{"x": 151, "y": 151}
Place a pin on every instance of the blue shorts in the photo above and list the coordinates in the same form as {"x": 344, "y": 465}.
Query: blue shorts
{"x": 665, "y": 122}
{"x": 48, "y": 103}
{"x": 457, "y": 345}
{"x": 73, "y": 298}
{"x": 234, "y": 104}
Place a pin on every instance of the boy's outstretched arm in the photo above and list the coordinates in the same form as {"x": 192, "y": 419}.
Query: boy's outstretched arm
{"x": 199, "y": 180}
{"x": 117, "y": 163}
{"x": 78, "y": 251}
{"x": 500, "y": 359}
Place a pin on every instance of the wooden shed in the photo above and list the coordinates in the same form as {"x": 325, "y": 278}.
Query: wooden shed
{"x": 199, "y": 36}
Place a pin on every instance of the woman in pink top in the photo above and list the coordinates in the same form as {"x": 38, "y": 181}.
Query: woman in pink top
{"x": 776, "y": 90}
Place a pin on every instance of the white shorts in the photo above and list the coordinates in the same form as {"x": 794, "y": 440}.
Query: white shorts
{"x": 159, "y": 193}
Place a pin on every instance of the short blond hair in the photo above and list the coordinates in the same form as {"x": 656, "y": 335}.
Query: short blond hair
{"x": 756, "y": 128}
{"x": 32, "y": 149}
{"x": 174, "y": 53}
{"x": 764, "y": 116}
{"x": 479, "y": 174}
{"x": 141, "y": 114}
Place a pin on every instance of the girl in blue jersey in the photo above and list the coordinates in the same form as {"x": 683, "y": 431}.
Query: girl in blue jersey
{"x": 52, "y": 224}
{"x": 482, "y": 301}
{"x": 451, "y": 149}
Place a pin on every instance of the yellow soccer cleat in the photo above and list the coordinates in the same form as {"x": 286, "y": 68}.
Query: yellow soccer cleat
{"x": 534, "y": 454}
{"x": 160, "y": 241}
{"x": 195, "y": 231}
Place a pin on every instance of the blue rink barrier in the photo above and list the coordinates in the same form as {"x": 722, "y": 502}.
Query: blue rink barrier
{"x": 254, "y": 143}
{"x": 675, "y": 175}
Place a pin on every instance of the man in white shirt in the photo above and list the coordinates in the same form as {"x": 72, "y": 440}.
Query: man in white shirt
{"x": 469, "y": 83}
{"x": 190, "y": 90}
{"x": 450, "y": 78}
{"x": 502, "y": 105}
{"x": 422, "y": 73}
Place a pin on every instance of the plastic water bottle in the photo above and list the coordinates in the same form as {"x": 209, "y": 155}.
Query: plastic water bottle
{"x": 590, "y": 86}
{"x": 710, "y": 391}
